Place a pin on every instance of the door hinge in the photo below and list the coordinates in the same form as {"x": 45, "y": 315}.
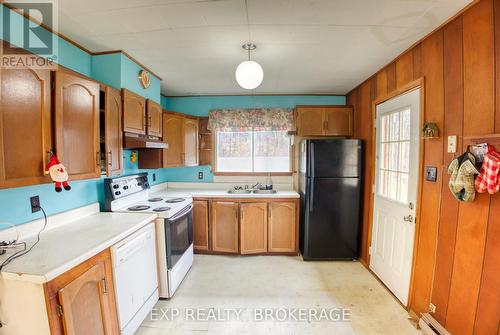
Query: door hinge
{"x": 59, "y": 310}
{"x": 373, "y": 188}
{"x": 432, "y": 308}
{"x": 104, "y": 285}
{"x": 370, "y": 250}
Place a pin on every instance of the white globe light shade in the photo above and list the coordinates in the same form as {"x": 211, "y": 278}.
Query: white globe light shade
{"x": 249, "y": 74}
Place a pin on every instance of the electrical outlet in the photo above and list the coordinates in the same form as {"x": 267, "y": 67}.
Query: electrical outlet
{"x": 200, "y": 175}
{"x": 35, "y": 203}
{"x": 154, "y": 176}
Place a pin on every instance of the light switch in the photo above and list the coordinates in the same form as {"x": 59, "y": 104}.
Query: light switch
{"x": 452, "y": 144}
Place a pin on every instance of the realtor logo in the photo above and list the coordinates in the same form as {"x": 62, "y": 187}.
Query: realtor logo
{"x": 26, "y": 31}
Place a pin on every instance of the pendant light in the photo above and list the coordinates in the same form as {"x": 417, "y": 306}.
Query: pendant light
{"x": 249, "y": 74}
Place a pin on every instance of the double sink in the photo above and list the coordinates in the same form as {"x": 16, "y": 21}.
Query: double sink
{"x": 247, "y": 191}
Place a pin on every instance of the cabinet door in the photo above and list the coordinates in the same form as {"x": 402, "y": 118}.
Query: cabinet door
{"x": 134, "y": 113}
{"x": 190, "y": 142}
{"x": 282, "y": 227}
{"x": 113, "y": 131}
{"x": 310, "y": 121}
{"x": 253, "y": 227}
{"x": 154, "y": 117}
{"x": 225, "y": 226}
{"x": 200, "y": 225}
{"x": 205, "y": 142}
{"x": 173, "y": 135}
{"x": 25, "y": 127}
{"x": 338, "y": 121}
{"x": 85, "y": 303}
{"x": 77, "y": 125}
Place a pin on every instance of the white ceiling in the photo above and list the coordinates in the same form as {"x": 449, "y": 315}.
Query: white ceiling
{"x": 304, "y": 46}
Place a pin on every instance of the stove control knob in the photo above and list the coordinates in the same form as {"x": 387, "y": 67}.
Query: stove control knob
{"x": 117, "y": 193}
{"x": 125, "y": 187}
{"x": 116, "y": 186}
{"x": 146, "y": 184}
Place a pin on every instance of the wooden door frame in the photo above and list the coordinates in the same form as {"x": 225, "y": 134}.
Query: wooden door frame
{"x": 418, "y": 83}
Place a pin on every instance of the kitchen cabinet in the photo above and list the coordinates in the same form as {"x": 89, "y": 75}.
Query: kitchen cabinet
{"x": 82, "y": 300}
{"x": 190, "y": 154}
{"x": 253, "y": 227}
{"x": 113, "y": 131}
{"x": 154, "y": 119}
{"x": 134, "y": 113}
{"x": 25, "y": 126}
{"x": 77, "y": 125}
{"x": 324, "y": 120}
{"x": 173, "y": 135}
{"x": 200, "y": 225}
{"x": 205, "y": 142}
{"x": 246, "y": 226}
{"x": 224, "y": 227}
{"x": 282, "y": 227}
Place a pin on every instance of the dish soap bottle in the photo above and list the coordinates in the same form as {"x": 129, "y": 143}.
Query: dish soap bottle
{"x": 269, "y": 182}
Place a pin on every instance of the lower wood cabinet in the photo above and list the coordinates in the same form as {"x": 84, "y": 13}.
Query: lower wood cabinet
{"x": 246, "y": 226}
{"x": 200, "y": 225}
{"x": 224, "y": 226}
{"x": 253, "y": 227}
{"x": 282, "y": 227}
{"x": 82, "y": 300}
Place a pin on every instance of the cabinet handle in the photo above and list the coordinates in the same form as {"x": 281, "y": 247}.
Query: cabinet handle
{"x": 326, "y": 125}
{"x": 149, "y": 121}
{"x": 104, "y": 286}
{"x": 97, "y": 159}
{"x": 110, "y": 153}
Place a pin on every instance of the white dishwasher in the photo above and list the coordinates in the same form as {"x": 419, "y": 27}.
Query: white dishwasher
{"x": 135, "y": 277}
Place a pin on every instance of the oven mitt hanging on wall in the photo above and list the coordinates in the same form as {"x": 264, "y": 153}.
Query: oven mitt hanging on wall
{"x": 489, "y": 178}
{"x": 58, "y": 174}
{"x": 462, "y": 170}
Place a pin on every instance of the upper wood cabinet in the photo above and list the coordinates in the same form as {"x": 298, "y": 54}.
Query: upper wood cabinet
{"x": 25, "y": 127}
{"x": 324, "y": 120}
{"x": 154, "y": 119}
{"x": 190, "y": 142}
{"x": 173, "y": 135}
{"x": 282, "y": 234}
{"x": 224, "y": 226}
{"x": 253, "y": 227}
{"x": 77, "y": 125}
{"x": 113, "y": 131}
{"x": 82, "y": 300}
{"x": 200, "y": 225}
{"x": 134, "y": 113}
{"x": 338, "y": 121}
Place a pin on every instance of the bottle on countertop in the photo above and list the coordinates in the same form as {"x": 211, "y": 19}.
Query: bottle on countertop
{"x": 269, "y": 182}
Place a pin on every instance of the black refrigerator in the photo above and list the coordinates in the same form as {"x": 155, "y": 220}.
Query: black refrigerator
{"x": 330, "y": 187}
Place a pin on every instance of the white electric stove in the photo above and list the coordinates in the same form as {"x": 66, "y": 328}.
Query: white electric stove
{"x": 174, "y": 226}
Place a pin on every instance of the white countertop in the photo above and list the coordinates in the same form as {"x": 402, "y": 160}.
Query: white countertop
{"x": 225, "y": 194}
{"x": 64, "y": 247}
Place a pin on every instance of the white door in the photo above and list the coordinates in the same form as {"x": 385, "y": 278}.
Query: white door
{"x": 395, "y": 191}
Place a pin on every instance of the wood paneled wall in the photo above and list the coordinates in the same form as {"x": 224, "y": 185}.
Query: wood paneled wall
{"x": 457, "y": 255}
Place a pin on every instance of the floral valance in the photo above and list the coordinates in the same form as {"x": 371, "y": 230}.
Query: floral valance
{"x": 247, "y": 119}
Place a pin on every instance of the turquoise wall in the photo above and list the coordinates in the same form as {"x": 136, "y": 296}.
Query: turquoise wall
{"x": 107, "y": 69}
{"x": 200, "y": 106}
{"x": 129, "y": 79}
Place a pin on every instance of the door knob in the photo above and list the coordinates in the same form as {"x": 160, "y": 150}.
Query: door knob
{"x": 408, "y": 218}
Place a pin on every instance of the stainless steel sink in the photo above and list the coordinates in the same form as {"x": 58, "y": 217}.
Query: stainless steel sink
{"x": 265, "y": 191}
{"x": 239, "y": 191}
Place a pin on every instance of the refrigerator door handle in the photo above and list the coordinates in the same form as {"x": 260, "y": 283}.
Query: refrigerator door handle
{"x": 311, "y": 159}
{"x": 311, "y": 195}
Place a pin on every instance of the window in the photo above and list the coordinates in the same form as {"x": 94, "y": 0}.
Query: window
{"x": 253, "y": 151}
{"x": 394, "y": 156}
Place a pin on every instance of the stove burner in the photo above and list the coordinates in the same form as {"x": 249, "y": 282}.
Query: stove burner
{"x": 161, "y": 209}
{"x": 138, "y": 208}
{"x": 174, "y": 200}
{"x": 155, "y": 199}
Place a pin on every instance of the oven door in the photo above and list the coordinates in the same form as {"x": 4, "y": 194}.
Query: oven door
{"x": 178, "y": 235}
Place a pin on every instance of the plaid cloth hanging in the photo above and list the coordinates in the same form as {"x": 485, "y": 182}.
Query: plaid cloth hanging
{"x": 489, "y": 178}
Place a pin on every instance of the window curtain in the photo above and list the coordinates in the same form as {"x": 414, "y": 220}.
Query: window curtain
{"x": 248, "y": 119}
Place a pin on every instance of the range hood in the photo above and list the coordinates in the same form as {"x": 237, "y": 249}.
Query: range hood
{"x": 134, "y": 141}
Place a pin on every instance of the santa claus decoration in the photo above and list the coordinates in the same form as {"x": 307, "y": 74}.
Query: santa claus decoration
{"x": 58, "y": 174}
